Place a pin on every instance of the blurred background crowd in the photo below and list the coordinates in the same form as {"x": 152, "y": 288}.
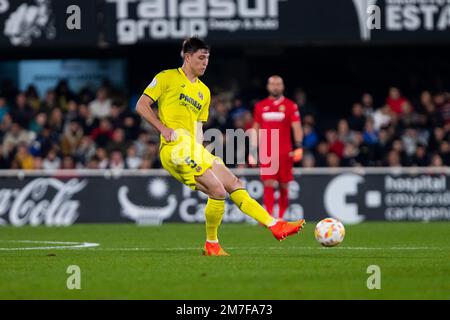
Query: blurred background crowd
{"x": 99, "y": 129}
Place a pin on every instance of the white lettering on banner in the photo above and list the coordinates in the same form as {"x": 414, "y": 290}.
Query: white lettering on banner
{"x": 176, "y": 19}
{"x": 417, "y": 198}
{"x": 422, "y": 198}
{"x": 28, "y": 205}
{"x": 405, "y": 15}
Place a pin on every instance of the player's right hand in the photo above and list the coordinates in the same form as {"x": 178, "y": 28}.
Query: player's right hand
{"x": 297, "y": 154}
{"x": 169, "y": 134}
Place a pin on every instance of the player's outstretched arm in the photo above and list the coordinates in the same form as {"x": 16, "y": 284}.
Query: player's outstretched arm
{"x": 143, "y": 108}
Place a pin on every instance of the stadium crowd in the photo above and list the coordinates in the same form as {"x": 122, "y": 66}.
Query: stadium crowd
{"x": 67, "y": 130}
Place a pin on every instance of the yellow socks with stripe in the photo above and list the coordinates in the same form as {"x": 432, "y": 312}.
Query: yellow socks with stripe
{"x": 251, "y": 207}
{"x": 213, "y": 213}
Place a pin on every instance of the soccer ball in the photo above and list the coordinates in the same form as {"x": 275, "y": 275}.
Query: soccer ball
{"x": 329, "y": 232}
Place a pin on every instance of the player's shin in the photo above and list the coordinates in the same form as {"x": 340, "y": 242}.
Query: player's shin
{"x": 213, "y": 214}
{"x": 251, "y": 207}
{"x": 283, "y": 202}
{"x": 269, "y": 198}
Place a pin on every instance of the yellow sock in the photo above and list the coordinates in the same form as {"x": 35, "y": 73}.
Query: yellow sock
{"x": 251, "y": 207}
{"x": 213, "y": 213}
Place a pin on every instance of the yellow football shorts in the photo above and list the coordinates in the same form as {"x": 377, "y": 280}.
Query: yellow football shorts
{"x": 185, "y": 159}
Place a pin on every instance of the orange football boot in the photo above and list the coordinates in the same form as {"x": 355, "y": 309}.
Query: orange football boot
{"x": 213, "y": 249}
{"x": 283, "y": 229}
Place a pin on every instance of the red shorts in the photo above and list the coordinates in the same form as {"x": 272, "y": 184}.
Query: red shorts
{"x": 284, "y": 172}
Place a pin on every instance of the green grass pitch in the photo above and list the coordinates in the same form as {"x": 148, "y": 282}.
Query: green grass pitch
{"x": 165, "y": 262}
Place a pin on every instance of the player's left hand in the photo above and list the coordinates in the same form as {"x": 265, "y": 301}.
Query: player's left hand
{"x": 297, "y": 154}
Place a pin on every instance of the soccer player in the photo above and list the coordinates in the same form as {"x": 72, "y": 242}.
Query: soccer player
{"x": 278, "y": 113}
{"x": 183, "y": 105}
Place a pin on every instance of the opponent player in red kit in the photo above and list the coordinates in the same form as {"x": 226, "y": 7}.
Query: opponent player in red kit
{"x": 277, "y": 113}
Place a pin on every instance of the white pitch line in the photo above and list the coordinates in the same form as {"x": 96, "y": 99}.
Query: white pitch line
{"x": 68, "y": 245}
{"x": 273, "y": 248}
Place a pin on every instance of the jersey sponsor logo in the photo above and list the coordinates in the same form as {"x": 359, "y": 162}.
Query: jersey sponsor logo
{"x": 191, "y": 101}
{"x": 273, "y": 116}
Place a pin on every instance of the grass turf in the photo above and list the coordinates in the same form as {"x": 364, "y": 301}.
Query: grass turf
{"x": 166, "y": 263}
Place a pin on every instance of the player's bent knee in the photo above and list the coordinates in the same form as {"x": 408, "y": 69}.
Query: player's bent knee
{"x": 217, "y": 191}
{"x": 238, "y": 184}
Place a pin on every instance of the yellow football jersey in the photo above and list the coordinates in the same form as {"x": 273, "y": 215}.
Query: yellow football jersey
{"x": 181, "y": 103}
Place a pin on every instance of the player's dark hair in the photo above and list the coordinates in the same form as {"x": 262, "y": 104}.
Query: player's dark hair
{"x": 193, "y": 44}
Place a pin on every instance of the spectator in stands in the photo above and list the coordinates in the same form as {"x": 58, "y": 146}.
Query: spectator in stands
{"x": 443, "y": 103}
{"x": 420, "y": 157}
{"x": 132, "y": 160}
{"x": 56, "y": 120}
{"x": 118, "y": 142}
{"x": 444, "y": 152}
{"x": 308, "y": 160}
{"x": 4, "y": 108}
{"x": 63, "y": 94}
{"x": 367, "y": 105}
{"x": 49, "y": 102}
{"x": 310, "y": 137}
{"x": 73, "y": 134}
{"x": 321, "y": 154}
{"x": 14, "y": 137}
{"x": 68, "y": 163}
{"x": 335, "y": 145}
{"x": 220, "y": 119}
{"x": 436, "y": 161}
{"x": 357, "y": 120}
{"x": 72, "y": 111}
{"x": 131, "y": 126}
{"x": 38, "y": 123}
{"x": 333, "y": 160}
{"x": 22, "y": 113}
{"x": 382, "y": 117}
{"x": 101, "y": 107}
{"x": 23, "y": 158}
{"x": 343, "y": 132}
{"x": 38, "y": 163}
{"x": 393, "y": 159}
{"x": 45, "y": 140}
{"x": 116, "y": 161}
{"x": 350, "y": 155}
{"x": 85, "y": 150}
{"x": 304, "y": 106}
{"x": 436, "y": 139}
{"x": 93, "y": 163}
{"x": 86, "y": 119}
{"x": 102, "y": 157}
{"x": 51, "y": 161}
{"x": 115, "y": 116}
{"x": 103, "y": 133}
{"x": 370, "y": 135}
{"x": 32, "y": 98}
{"x": 395, "y": 100}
